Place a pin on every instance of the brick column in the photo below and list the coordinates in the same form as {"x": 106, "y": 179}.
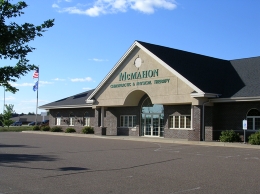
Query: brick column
{"x": 97, "y": 128}
{"x": 208, "y": 123}
{"x": 195, "y": 134}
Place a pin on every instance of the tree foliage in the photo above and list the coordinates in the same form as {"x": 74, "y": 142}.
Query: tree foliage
{"x": 14, "y": 39}
{"x": 7, "y": 115}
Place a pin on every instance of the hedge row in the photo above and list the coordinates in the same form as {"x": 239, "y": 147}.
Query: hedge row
{"x": 85, "y": 130}
{"x": 231, "y": 136}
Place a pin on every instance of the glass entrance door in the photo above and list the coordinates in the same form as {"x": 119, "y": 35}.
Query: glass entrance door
{"x": 151, "y": 124}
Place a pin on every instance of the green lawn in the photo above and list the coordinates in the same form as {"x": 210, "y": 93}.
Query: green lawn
{"x": 16, "y": 128}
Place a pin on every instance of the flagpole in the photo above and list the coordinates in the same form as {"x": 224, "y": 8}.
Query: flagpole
{"x": 37, "y": 97}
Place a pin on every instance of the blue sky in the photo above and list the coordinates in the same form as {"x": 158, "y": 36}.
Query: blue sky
{"x": 89, "y": 37}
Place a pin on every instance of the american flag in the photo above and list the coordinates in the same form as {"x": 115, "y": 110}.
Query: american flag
{"x": 36, "y": 73}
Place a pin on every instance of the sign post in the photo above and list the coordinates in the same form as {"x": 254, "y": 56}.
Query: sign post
{"x": 244, "y": 128}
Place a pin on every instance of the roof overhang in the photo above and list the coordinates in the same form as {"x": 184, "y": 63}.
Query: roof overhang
{"x": 236, "y": 99}
{"x": 90, "y": 101}
{"x": 204, "y": 95}
{"x": 66, "y": 106}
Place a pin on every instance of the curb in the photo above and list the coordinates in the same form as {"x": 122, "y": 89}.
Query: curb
{"x": 148, "y": 139}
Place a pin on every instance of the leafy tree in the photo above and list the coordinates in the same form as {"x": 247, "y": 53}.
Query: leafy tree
{"x": 7, "y": 115}
{"x": 14, "y": 39}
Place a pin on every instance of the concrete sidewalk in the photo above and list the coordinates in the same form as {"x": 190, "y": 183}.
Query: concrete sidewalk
{"x": 150, "y": 139}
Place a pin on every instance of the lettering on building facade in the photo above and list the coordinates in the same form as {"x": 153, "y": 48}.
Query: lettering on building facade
{"x": 124, "y": 76}
{"x": 138, "y": 75}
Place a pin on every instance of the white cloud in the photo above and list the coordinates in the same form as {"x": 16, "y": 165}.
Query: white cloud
{"x": 148, "y": 6}
{"x": 58, "y": 79}
{"x": 22, "y": 84}
{"x": 45, "y": 82}
{"x": 86, "y": 79}
{"x": 98, "y": 60}
{"x": 114, "y": 6}
{"x": 41, "y": 83}
{"x": 54, "y": 5}
{"x": 8, "y": 98}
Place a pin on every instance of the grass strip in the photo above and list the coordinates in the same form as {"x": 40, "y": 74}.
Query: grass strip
{"x": 16, "y": 128}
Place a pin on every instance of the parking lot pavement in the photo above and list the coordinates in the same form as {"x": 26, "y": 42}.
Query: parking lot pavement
{"x": 32, "y": 163}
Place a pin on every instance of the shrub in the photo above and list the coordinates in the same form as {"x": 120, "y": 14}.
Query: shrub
{"x": 56, "y": 129}
{"x": 88, "y": 130}
{"x": 254, "y": 139}
{"x": 45, "y": 128}
{"x": 36, "y": 128}
{"x": 70, "y": 130}
{"x": 229, "y": 136}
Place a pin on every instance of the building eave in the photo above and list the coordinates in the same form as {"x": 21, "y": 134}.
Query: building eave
{"x": 236, "y": 99}
{"x": 66, "y": 106}
{"x": 204, "y": 95}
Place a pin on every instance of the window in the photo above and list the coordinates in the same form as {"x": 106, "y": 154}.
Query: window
{"x": 180, "y": 122}
{"x": 72, "y": 119}
{"x": 127, "y": 121}
{"x": 253, "y": 119}
{"x": 86, "y": 119}
{"x": 58, "y": 118}
{"x": 58, "y": 121}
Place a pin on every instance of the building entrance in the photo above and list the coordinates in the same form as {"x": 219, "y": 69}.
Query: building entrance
{"x": 152, "y": 124}
{"x": 152, "y": 119}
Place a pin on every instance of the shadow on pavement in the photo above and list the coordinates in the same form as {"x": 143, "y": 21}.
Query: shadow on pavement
{"x": 8, "y": 158}
{"x": 72, "y": 169}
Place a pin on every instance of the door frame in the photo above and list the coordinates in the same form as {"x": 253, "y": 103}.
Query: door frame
{"x": 151, "y": 124}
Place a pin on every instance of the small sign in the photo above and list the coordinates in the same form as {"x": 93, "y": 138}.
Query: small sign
{"x": 245, "y": 124}
{"x": 43, "y": 114}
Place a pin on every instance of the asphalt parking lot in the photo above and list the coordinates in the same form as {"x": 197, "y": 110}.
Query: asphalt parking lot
{"x": 38, "y": 163}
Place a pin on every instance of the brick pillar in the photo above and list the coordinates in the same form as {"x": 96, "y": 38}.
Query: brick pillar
{"x": 97, "y": 128}
{"x": 208, "y": 123}
{"x": 195, "y": 134}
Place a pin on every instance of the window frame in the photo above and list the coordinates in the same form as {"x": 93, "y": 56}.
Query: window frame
{"x": 253, "y": 124}
{"x": 72, "y": 119}
{"x": 58, "y": 121}
{"x": 253, "y": 114}
{"x": 173, "y": 119}
{"x": 124, "y": 121}
{"x": 86, "y": 119}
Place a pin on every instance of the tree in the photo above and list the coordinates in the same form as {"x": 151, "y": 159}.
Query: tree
{"x": 7, "y": 115}
{"x": 14, "y": 41}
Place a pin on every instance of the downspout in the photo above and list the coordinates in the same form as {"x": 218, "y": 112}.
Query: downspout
{"x": 203, "y": 120}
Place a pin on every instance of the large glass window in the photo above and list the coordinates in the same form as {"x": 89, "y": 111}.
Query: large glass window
{"x": 253, "y": 119}
{"x": 180, "y": 122}
{"x": 127, "y": 120}
{"x": 152, "y": 119}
